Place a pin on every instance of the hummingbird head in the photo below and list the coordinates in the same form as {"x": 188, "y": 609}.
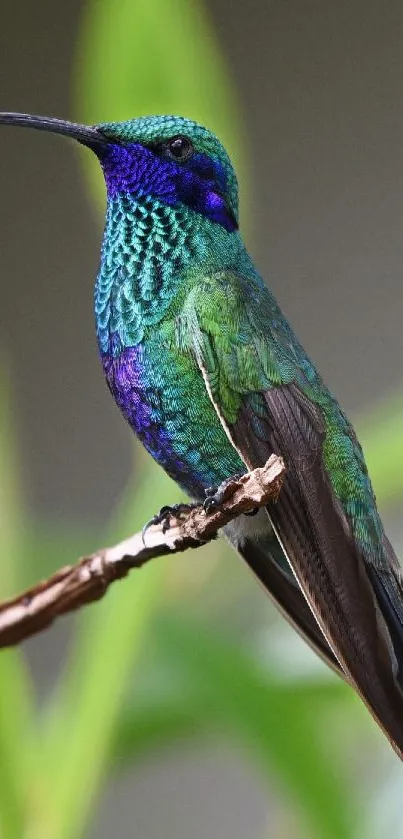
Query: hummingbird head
{"x": 173, "y": 159}
{"x": 170, "y": 158}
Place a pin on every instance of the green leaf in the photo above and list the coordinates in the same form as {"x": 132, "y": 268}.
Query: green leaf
{"x": 146, "y": 727}
{"x": 17, "y": 753}
{"x": 159, "y": 719}
{"x": 280, "y": 723}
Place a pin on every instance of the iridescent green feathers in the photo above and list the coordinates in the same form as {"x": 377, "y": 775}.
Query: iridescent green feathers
{"x": 244, "y": 346}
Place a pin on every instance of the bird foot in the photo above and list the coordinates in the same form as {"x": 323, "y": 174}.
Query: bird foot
{"x": 166, "y": 513}
{"x": 215, "y": 495}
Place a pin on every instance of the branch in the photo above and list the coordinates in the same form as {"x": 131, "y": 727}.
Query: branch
{"x": 75, "y": 585}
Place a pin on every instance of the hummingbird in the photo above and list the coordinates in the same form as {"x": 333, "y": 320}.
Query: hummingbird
{"x": 212, "y": 379}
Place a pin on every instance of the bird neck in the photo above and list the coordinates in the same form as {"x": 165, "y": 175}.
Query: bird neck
{"x": 148, "y": 250}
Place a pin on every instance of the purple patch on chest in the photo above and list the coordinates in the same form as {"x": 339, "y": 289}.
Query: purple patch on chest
{"x": 129, "y": 380}
{"x": 138, "y": 401}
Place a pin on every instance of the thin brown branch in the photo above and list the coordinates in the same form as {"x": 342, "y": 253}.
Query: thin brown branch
{"x": 75, "y": 585}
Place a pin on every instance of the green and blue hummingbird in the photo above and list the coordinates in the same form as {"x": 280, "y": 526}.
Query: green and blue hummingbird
{"x": 210, "y": 376}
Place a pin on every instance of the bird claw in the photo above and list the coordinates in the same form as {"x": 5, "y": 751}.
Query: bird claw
{"x": 215, "y": 495}
{"x": 176, "y": 511}
{"x": 210, "y": 503}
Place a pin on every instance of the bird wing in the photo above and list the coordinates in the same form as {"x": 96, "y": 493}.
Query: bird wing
{"x": 270, "y": 399}
{"x": 264, "y": 556}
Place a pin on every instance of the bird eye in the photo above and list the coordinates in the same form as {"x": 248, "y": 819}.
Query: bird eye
{"x": 179, "y": 148}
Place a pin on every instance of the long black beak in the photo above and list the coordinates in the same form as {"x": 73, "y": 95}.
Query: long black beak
{"x": 88, "y": 135}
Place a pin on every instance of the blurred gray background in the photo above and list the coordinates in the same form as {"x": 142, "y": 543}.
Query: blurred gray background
{"x": 321, "y": 87}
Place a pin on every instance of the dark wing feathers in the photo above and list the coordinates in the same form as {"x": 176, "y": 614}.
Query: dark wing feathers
{"x": 256, "y": 442}
{"x": 364, "y": 631}
{"x": 388, "y": 588}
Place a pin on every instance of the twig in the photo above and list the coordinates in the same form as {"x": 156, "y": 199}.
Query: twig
{"x": 75, "y": 585}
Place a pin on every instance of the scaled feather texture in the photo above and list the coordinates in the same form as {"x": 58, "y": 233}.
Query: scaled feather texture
{"x": 211, "y": 377}
{"x": 209, "y": 374}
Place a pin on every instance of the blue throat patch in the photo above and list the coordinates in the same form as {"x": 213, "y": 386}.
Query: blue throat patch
{"x": 199, "y": 183}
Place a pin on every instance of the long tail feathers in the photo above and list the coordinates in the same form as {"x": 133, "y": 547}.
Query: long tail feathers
{"x": 356, "y": 599}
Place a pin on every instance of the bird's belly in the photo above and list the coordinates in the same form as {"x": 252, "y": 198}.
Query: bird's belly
{"x": 163, "y": 397}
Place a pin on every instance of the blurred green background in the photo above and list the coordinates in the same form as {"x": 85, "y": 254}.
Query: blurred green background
{"x": 182, "y": 705}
